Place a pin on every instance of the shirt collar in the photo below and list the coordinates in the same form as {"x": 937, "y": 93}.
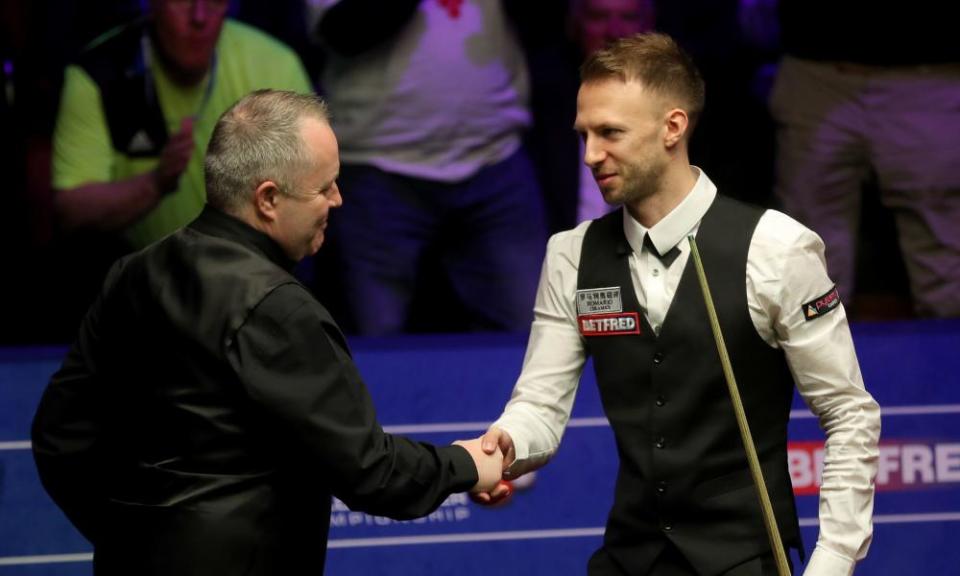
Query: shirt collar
{"x": 675, "y": 226}
{"x": 217, "y": 223}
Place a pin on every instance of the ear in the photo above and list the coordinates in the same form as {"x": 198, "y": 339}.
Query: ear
{"x": 676, "y": 126}
{"x": 265, "y": 199}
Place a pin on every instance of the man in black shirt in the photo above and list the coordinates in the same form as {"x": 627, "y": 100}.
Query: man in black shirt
{"x": 210, "y": 407}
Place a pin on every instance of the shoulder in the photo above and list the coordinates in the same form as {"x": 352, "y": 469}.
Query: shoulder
{"x": 110, "y": 56}
{"x": 565, "y": 247}
{"x": 777, "y": 232}
{"x": 287, "y": 300}
{"x": 78, "y": 85}
{"x": 239, "y": 37}
{"x": 786, "y": 264}
{"x": 292, "y": 309}
{"x": 257, "y": 60}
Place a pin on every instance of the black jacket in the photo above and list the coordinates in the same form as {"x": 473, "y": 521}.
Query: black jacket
{"x": 208, "y": 410}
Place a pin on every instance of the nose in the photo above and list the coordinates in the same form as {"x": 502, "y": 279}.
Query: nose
{"x": 593, "y": 153}
{"x": 336, "y": 200}
{"x": 199, "y": 12}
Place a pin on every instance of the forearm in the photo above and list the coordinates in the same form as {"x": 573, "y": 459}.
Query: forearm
{"x": 107, "y": 206}
{"x": 404, "y": 479}
{"x": 535, "y": 438}
{"x": 294, "y": 364}
{"x": 847, "y": 489}
{"x": 832, "y": 386}
{"x": 542, "y": 400}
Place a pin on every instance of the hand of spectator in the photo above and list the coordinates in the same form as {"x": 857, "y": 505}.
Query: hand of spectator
{"x": 174, "y": 158}
{"x": 489, "y": 465}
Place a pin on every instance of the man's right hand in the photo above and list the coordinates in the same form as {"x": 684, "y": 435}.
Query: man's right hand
{"x": 174, "y": 158}
{"x": 489, "y": 465}
{"x": 497, "y": 440}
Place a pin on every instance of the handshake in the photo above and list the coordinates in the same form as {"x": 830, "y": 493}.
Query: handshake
{"x": 492, "y": 454}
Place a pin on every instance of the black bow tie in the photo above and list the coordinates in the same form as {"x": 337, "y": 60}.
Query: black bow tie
{"x": 665, "y": 259}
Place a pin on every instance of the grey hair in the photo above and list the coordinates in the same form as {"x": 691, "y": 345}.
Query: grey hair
{"x": 255, "y": 140}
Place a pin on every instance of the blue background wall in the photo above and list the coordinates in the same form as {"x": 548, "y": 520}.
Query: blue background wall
{"x": 440, "y": 389}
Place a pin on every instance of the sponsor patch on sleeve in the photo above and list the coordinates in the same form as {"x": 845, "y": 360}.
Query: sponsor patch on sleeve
{"x": 821, "y": 305}
{"x": 599, "y": 301}
{"x": 609, "y": 324}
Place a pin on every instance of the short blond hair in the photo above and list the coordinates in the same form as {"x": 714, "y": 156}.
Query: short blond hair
{"x": 657, "y": 62}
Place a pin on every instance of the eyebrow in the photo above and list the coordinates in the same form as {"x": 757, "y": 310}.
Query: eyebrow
{"x": 602, "y": 126}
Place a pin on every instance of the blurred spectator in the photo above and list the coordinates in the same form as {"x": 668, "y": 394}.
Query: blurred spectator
{"x": 429, "y": 101}
{"x": 136, "y": 111}
{"x": 734, "y": 137}
{"x": 872, "y": 92}
{"x": 594, "y": 24}
{"x": 284, "y": 20}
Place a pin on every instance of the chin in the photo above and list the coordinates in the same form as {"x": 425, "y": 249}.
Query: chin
{"x": 612, "y": 197}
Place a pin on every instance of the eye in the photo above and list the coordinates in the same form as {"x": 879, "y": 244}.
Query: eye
{"x": 328, "y": 190}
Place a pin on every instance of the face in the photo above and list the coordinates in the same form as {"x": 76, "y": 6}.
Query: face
{"x": 623, "y": 128}
{"x": 302, "y": 214}
{"x": 187, "y": 33}
{"x": 602, "y": 21}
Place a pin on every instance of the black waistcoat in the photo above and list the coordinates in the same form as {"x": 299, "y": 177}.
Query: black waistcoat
{"x": 683, "y": 474}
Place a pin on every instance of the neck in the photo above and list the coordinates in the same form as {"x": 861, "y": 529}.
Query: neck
{"x": 183, "y": 78}
{"x": 678, "y": 180}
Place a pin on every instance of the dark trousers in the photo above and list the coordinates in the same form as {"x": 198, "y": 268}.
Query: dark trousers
{"x": 482, "y": 238}
{"x": 671, "y": 562}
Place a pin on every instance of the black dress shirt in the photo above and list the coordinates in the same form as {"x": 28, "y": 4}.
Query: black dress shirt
{"x": 209, "y": 409}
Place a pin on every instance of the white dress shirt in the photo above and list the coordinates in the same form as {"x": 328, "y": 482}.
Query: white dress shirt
{"x": 785, "y": 269}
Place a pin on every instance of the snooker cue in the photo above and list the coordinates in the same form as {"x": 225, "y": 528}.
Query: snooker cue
{"x": 769, "y": 520}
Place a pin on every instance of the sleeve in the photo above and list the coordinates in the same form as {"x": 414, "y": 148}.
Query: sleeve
{"x": 821, "y": 355}
{"x": 293, "y": 362}
{"x": 542, "y": 400}
{"x": 66, "y": 427}
{"x": 82, "y": 150}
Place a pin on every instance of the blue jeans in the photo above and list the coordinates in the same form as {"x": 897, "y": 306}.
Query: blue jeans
{"x": 486, "y": 234}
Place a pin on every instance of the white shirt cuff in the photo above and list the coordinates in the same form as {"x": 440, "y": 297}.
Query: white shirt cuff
{"x": 824, "y": 562}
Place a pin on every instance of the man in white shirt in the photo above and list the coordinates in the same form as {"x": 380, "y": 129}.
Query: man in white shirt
{"x": 620, "y": 289}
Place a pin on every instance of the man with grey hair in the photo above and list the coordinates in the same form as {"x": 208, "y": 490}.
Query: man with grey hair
{"x": 209, "y": 407}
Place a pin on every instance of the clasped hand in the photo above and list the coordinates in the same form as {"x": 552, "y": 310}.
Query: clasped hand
{"x": 492, "y": 454}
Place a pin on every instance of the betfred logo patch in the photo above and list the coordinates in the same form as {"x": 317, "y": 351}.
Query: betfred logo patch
{"x": 821, "y": 305}
{"x": 609, "y": 324}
